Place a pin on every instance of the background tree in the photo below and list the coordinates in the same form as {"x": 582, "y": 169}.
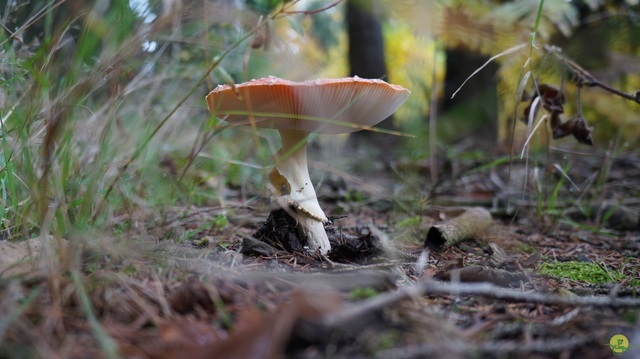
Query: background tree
{"x": 366, "y": 45}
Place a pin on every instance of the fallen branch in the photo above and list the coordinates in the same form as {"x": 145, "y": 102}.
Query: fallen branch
{"x": 467, "y": 225}
{"x": 493, "y": 291}
{"x": 494, "y": 348}
{"x": 365, "y": 307}
{"x": 586, "y": 79}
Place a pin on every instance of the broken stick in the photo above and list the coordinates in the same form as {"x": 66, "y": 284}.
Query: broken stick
{"x": 471, "y": 222}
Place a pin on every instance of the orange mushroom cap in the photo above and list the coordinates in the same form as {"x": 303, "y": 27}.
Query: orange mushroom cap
{"x": 328, "y": 106}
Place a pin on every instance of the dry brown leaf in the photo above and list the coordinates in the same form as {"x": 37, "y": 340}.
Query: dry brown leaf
{"x": 553, "y": 100}
{"x": 181, "y": 337}
{"x": 262, "y": 336}
{"x": 256, "y": 335}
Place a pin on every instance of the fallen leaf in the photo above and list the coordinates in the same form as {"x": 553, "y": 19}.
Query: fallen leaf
{"x": 552, "y": 100}
{"x": 576, "y": 127}
{"x": 265, "y": 336}
{"x": 179, "y": 337}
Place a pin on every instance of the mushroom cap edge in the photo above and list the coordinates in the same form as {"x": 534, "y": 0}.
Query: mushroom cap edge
{"x": 328, "y": 106}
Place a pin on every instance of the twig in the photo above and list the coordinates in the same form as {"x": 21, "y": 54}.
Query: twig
{"x": 492, "y": 291}
{"x": 431, "y": 287}
{"x": 44, "y": 11}
{"x": 11, "y": 34}
{"x": 197, "y": 147}
{"x": 586, "y": 79}
{"x": 494, "y": 348}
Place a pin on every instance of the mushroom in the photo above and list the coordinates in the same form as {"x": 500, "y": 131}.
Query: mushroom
{"x": 297, "y": 109}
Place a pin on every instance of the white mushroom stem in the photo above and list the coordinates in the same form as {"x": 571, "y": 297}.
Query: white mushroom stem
{"x": 293, "y": 186}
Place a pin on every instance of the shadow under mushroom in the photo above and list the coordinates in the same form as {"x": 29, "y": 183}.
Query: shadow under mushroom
{"x": 280, "y": 232}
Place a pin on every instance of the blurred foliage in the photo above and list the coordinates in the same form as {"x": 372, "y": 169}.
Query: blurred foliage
{"x": 580, "y": 26}
{"x": 410, "y": 62}
{"x": 319, "y": 52}
{"x": 264, "y": 6}
{"x": 91, "y": 91}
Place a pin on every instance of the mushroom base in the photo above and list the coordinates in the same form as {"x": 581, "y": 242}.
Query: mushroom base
{"x": 313, "y": 231}
{"x": 280, "y": 231}
{"x": 292, "y": 187}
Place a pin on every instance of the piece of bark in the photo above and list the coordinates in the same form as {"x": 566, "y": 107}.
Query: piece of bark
{"x": 467, "y": 225}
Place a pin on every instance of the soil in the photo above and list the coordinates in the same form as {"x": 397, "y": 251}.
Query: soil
{"x": 280, "y": 231}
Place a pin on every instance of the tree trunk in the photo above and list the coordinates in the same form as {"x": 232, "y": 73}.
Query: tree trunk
{"x": 366, "y": 49}
{"x": 478, "y": 97}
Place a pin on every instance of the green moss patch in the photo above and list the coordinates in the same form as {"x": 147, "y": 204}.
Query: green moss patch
{"x": 580, "y": 271}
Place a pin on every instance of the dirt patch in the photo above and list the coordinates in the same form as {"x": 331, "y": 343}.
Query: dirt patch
{"x": 281, "y": 233}
{"x": 15, "y": 257}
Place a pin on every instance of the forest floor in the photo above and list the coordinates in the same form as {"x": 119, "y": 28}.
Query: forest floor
{"x": 544, "y": 280}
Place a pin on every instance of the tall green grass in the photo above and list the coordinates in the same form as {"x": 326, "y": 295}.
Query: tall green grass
{"x": 99, "y": 136}
{"x": 88, "y": 118}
